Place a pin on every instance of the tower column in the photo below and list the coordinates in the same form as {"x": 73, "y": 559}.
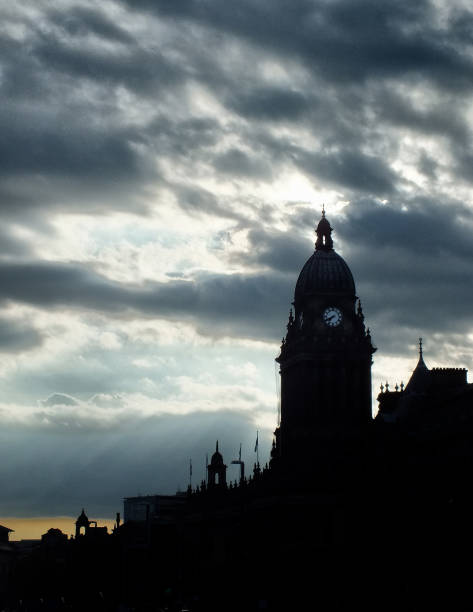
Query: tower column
{"x": 326, "y": 355}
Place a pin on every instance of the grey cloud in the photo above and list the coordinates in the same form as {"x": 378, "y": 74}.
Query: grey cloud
{"x": 464, "y": 166}
{"x": 351, "y": 169}
{"x": 11, "y": 245}
{"x": 218, "y": 304}
{"x": 196, "y": 200}
{"x": 238, "y": 163}
{"x": 59, "y": 399}
{"x": 52, "y": 146}
{"x": 279, "y": 251}
{"x": 62, "y": 146}
{"x": 137, "y": 69}
{"x": 444, "y": 117}
{"x": 343, "y": 41}
{"x": 422, "y": 257}
{"x": 80, "y": 21}
{"x": 412, "y": 267}
{"x": 431, "y": 228}
{"x": 427, "y": 165}
{"x": 271, "y": 103}
{"x": 186, "y": 138}
{"x": 17, "y": 337}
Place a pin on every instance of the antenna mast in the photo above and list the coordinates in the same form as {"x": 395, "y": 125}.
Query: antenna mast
{"x": 241, "y": 464}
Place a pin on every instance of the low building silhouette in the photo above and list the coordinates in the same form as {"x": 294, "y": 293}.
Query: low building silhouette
{"x": 6, "y": 560}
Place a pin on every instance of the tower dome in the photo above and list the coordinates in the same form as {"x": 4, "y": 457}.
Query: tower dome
{"x": 217, "y": 458}
{"x": 325, "y": 271}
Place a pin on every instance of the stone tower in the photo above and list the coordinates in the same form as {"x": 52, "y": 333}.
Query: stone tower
{"x": 326, "y": 356}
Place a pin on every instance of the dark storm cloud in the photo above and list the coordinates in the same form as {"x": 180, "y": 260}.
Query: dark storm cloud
{"x": 422, "y": 257}
{"x": 278, "y": 251}
{"x": 422, "y": 226}
{"x": 271, "y": 103}
{"x": 344, "y": 41}
{"x": 11, "y": 245}
{"x": 216, "y": 304}
{"x": 237, "y": 163}
{"x": 139, "y": 71}
{"x": 59, "y": 146}
{"x": 80, "y": 21}
{"x": 352, "y": 169}
{"x": 413, "y": 267}
{"x": 443, "y": 118}
{"x": 354, "y": 58}
{"x": 74, "y": 130}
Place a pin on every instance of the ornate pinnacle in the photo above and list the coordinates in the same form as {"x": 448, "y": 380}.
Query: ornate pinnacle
{"x": 290, "y": 323}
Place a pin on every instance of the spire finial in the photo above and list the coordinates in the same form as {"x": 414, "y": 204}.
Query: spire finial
{"x": 323, "y": 211}
{"x": 420, "y": 347}
{"x": 216, "y": 447}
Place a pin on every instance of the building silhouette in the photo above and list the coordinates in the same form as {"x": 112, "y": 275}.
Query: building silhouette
{"x": 6, "y": 559}
{"x": 326, "y": 356}
{"x": 349, "y": 511}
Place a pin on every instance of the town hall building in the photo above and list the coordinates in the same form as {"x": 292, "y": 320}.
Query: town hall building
{"x": 349, "y": 512}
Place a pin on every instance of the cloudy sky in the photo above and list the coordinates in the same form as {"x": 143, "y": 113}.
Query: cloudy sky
{"x": 162, "y": 167}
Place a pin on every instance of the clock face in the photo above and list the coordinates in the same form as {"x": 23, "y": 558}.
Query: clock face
{"x": 332, "y": 316}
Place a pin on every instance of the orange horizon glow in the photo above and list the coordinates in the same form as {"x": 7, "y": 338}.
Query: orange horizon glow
{"x": 34, "y": 528}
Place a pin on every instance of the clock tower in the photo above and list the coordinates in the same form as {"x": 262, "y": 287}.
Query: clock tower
{"x": 326, "y": 355}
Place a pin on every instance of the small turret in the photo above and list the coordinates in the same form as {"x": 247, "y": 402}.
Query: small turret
{"x": 82, "y": 522}
{"x": 217, "y": 470}
{"x": 324, "y": 240}
{"x": 420, "y": 377}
